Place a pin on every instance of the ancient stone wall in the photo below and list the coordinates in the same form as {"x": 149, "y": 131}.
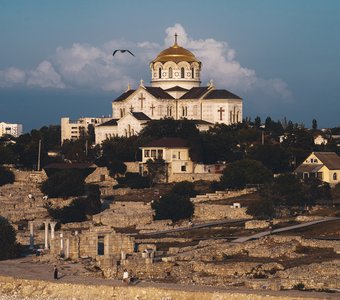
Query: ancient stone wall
{"x": 125, "y": 214}
{"x": 177, "y": 177}
{"x": 219, "y": 195}
{"x": 217, "y": 212}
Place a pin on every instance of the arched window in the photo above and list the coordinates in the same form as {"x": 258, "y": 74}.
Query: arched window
{"x": 182, "y": 72}
{"x": 335, "y": 176}
{"x": 170, "y": 72}
{"x": 192, "y": 72}
{"x": 169, "y": 111}
{"x": 159, "y": 72}
{"x": 184, "y": 111}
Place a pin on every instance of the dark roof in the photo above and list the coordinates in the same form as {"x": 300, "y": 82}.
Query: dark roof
{"x": 330, "y": 159}
{"x": 112, "y": 122}
{"x": 168, "y": 142}
{"x": 195, "y": 93}
{"x": 124, "y": 95}
{"x": 221, "y": 94}
{"x": 70, "y": 166}
{"x": 177, "y": 89}
{"x": 158, "y": 92}
{"x": 140, "y": 116}
{"x": 308, "y": 168}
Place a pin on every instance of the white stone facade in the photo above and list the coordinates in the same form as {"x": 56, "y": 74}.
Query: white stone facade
{"x": 11, "y": 129}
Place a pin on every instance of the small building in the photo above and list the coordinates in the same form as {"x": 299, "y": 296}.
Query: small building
{"x": 179, "y": 166}
{"x": 10, "y": 129}
{"x": 322, "y": 165}
{"x": 320, "y": 140}
{"x": 73, "y": 130}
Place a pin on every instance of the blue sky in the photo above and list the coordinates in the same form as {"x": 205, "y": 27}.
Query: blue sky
{"x": 282, "y": 57}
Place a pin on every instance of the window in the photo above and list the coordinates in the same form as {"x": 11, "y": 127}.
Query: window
{"x": 183, "y": 168}
{"x": 160, "y": 154}
{"x": 159, "y": 72}
{"x": 153, "y": 153}
{"x": 100, "y": 245}
{"x": 170, "y": 72}
{"x": 146, "y": 153}
{"x": 179, "y": 155}
{"x": 182, "y": 72}
{"x": 335, "y": 176}
{"x": 192, "y": 72}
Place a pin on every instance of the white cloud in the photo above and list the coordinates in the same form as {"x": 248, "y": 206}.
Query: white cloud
{"x": 220, "y": 64}
{"x": 45, "y": 76}
{"x": 86, "y": 66}
{"x": 12, "y": 76}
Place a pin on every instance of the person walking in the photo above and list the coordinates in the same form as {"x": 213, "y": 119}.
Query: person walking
{"x": 55, "y": 272}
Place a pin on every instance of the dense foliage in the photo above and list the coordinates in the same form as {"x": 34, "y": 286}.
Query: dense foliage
{"x": 64, "y": 183}
{"x": 175, "y": 205}
{"x": 244, "y": 172}
{"x": 8, "y": 244}
{"x": 6, "y": 176}
{"x": 80, "y": 208}
{"x": 134, "y": 181}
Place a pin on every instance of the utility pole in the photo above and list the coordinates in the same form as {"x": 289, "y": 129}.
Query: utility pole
{"x": 39, "y": 155}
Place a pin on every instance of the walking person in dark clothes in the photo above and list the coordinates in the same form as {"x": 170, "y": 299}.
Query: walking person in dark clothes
{"x": 55, "y": 272}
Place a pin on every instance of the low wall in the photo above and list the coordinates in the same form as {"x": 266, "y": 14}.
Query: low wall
{"x": 37, "y": 288}
{"x": 217, "y": 212}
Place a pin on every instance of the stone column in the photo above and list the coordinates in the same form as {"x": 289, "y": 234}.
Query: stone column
{"x": 61, "y": 245}
{"x": 106, "y": 245}
{"x": 52, "y": 225}
{"x": 46, "y": 234}
{"x": 67, "y": 248}
{"x": 31, "y": 224}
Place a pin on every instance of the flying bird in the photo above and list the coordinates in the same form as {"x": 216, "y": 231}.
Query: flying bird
{"x": 122, "y": 51}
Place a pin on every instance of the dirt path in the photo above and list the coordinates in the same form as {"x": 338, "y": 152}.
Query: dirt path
{"x": 27, "y": 268}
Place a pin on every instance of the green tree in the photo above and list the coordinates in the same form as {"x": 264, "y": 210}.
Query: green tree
{"x": 257, "y": 122}
{"x": 157, "y": 170}
{"x": 184, "y": 188}
{"x": 8, "y": 244}
{"x": 80, "y": 208}
{"x": 274, "y": 157}
{"x": 134, "y": 181}
{"x": 6, "y": 176}
{"x": 175, "y": 205}
{"x": 240, "y": 173}
{"x": 116, "y": 167}
{"x": 261, "y": 209}
{"x": 314, "y": 124}
{"x": 64, "y": 183}
{"x": 289, "y": 191}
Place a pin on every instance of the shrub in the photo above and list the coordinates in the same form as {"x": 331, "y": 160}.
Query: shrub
{"x": 6, "y": 176}
{"x": 79, "y": 208}
{"x": 134, "y": 181}
{"x": 173, "y": 206}
{"x": 261, "y": 209}
{"x": 8, "y": 244}
{"x": 184, "y": 188}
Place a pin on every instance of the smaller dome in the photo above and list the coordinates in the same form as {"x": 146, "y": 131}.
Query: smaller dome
{"x": 176, "y": 54}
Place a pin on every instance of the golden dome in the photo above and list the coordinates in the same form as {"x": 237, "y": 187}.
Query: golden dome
{"x": 176, "y": 54}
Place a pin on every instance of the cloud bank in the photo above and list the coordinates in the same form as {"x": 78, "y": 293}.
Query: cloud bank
{"x": 85, "y": 66}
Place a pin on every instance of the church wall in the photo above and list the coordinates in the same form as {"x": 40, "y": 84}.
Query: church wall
{"x": 103, "y": 133}
{"x": 129, "y": 126}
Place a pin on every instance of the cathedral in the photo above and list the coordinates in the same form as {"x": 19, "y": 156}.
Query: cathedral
{"x": 175, "y": 92}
